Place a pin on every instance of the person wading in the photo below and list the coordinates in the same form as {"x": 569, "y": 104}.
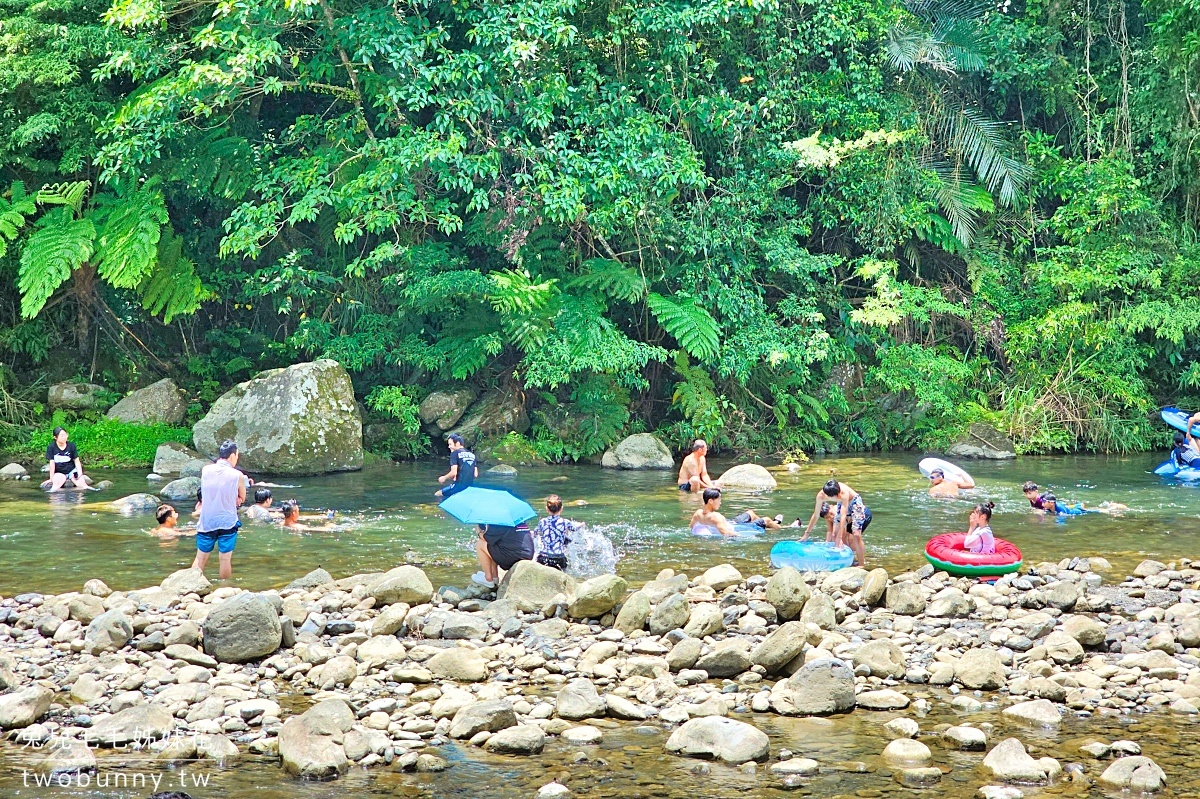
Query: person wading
{"x": 224, "y": 490}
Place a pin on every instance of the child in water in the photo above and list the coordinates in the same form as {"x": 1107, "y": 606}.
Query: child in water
{"x": 168, "y": 521}
{"x": 1048, "y": 503}
{"x": 980, "y": 540}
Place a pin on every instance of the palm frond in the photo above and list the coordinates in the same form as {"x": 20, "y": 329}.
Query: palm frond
{"x": 980, "y": 142}
{"x": 68, "y": 194}
{"x": 961, "y": 199}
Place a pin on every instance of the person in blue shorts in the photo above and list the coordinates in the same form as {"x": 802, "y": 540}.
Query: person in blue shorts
{"x": 224, "y": 489}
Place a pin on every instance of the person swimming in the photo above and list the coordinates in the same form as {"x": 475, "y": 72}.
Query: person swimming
{"x": 168, "y": 523}
{"x": 707, "y": 520}
{"x": 749, "y": 516}
{"x": 1048, "y": 503}
{"x": 260, "y": 510}
{"x": 292, "y": 520}
{"x": 940, "y": 487}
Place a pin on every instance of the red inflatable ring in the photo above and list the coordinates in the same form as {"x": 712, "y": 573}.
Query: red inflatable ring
{"x": 946, "y": 552}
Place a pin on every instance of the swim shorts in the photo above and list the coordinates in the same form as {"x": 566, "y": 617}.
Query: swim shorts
{"x": 744, "y": 518}
{"x": 685, "y": 486}
{"x": 553, "y": 561}
{"x": 224, "y": 540}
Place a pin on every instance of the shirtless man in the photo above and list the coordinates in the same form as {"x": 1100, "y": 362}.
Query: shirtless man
{"x": 693, "y": 472}
{"x": 708, "y": 515}
{"x": 168, "y": 521}
{"x": 850, "y": 520}
{"x": 940, "y": 487}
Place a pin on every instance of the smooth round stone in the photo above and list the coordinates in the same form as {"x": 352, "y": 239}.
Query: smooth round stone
{"x": 918, "y": 777}
{"x": 906, "y": 750}
{"x": 796, "y": 767}
{"x": 581, "y": 736}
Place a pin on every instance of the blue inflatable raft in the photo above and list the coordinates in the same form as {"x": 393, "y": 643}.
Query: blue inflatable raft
{"x": 812, "y": 556}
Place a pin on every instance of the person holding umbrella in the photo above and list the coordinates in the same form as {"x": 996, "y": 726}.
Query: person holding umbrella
{"x": 503, "y": 538}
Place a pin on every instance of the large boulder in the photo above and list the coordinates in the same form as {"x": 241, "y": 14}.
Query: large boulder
{"x": 819, "y": 688}
{"x": 984, "y": 442}
{"x": 529, "y": 585}
{"x": 526, "y": 739}
{"x": 639, "y": 451}
{"x": 596, "y": 597}
{"x": 748, "y": 477}
{"x": 787, "y": 592}
{"x": 172, "y": 458}
{"x": 634, "y": 613}
{"x": 444, "y": 407}
{"x": 406, "y": 584}
{"x": 187, "y": 581}
{"x": 158, "y": 403}
{"x": 244, "y": 627}
{"x": 459, "y": 664}
{"x": 76, "y": 396}
{"x": 140, "y": 723}
{"x": 21, "y": 708}
{"x": 672, "y": 613}
{"x": 497, "y": 413}
{"x": 135, "y": 503}
{"x": 184, "y": 488}
{"x": 905, "y": 599}
{"x": 310, "y": 745}
{"x": 1137, "y": 774}
{"x": 298, "y": 420}
{"x": 719, "y": 738}
{"x": 13, "y": 471}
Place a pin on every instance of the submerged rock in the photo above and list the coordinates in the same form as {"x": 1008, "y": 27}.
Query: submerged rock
{"x": 719, "y": 739}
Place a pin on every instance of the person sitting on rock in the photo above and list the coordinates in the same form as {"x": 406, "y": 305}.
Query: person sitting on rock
{"x": 64, "y": 463}
{"x": 499, "y": 548}
{"x": 260, "y": 510}
{"x": 707, "y": 520}
{"x": 693, "y": 472}
{"x": 168, "y": 523}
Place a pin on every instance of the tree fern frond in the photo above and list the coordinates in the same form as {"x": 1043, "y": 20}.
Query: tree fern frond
{"x": 611, "y": 278}
{"x": 60, "y": 245}
{"x": 128, "y": 245}
{"x": 692, "y": 326}
{"x": 173, "y": 288}
{"x": 68, "y": 194}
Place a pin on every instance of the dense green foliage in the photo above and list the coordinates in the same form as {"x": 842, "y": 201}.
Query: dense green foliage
{"x": 779, "y": 226}
{"x": 108, "y": 442}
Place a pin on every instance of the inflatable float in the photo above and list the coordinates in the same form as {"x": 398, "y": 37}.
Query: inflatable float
{"x": 953, "y": 473}
{"x": 946, "y": 552}
{"x": 812, "y": 556}
{"x": 742, "y": 530}
{"x": 1169, "y": 468}
{"x": 1178, "y": 419}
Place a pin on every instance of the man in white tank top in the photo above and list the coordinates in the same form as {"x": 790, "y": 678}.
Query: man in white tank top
{"x": 224, "y": 491}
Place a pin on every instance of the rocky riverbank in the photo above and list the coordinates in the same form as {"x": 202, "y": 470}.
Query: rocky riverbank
{"x": 380, "y": 671}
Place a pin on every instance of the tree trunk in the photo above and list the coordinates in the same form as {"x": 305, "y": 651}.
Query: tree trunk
{"x": 84, "y": 288}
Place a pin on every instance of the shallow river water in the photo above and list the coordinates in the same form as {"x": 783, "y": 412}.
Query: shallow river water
{"x": 387, "y": 514}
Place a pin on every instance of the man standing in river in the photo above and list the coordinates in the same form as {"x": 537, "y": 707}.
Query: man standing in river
{"x": 693, "y": 472}
{"x": 224, "y": 491}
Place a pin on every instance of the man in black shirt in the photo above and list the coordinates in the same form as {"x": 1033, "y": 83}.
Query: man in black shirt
{"x": 64, "y": 462}
{"x": 463, "y": 470}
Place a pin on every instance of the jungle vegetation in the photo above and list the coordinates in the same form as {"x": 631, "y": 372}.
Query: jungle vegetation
{"x": 779, "y": 225}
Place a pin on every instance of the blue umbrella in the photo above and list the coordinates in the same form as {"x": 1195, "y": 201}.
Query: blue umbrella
{"x": 487, "y": 506}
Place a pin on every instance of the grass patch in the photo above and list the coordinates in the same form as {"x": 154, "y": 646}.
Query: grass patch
{"x": 109, "y": 443}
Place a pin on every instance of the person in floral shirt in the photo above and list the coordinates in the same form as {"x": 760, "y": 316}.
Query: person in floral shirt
{"x": 552, "y": 535}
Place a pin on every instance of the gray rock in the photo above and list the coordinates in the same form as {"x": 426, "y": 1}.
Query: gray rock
{"x": 158, "y": 403}
{"x": 135, "y": 503}
{"x": 719, "y": 738}
{"x": 949, "y": 603}
{"x": 874, "y": 586}
{"x": 820, "y": 610}
{"x": 137, "y": 724}
{"x": 314, "y": 579}
{"x": 187, "y": 581}
{"x": 108, "y": 632}
{"x": 885, "y": 699}
{"x": 596, "y": 596}
{"x": 1062, "y": 648}
{"x": 882, "y": 657}
{"x": 670, "y": 614}
{"x": 524, "y": 739}
{"x": 502, "y": 470}
{"x": 1008, "y": 761}
{"x": 658, "y": 590}
{"x": 310, "y": 745}
{"x": 171, "y": 458}
{"x": 76, "y": 396}
{"x": 1138, "y": 774}
{"x": 634, "y": 613}
{"x": 243, "y": 628}
{"x": 298, "y": 420}
{"x": 496, "y": 414}
{"x": 906, "y": 750}
{"x": 530, "y": 586}
{"x": 964, "y": 737}
{"x": 905, "y": 599}
{"x": 684, "y": 654}
{"x": 1038, "y": 712}
{"x": 984, "y": 442}
{"x": 639, "y": 451}
{"x": 621, "y": 708}
{"x": 13, "y": 471}
{"x": 1087, "y": 631}
{"x": 818, "y": 688}
{"x": 728, "y": 658}
{"x": 183, "y": 488}
{"x": 24, "y": 706}
{"x": 85, "y": 608}
{"x": 444, "y": 407}
{"x": 720, "y": 577}
{"x": 459, "y": 664}
{"x": 490, "y": 716}
{"x": 706, "y": 619}
{"x": 787, "y": 592}
{"x": 406, "y": 584}
{"x": 779, "y": 648}
{"x": 464, "y": 626}
{"x": 578, "y": 700}
{"x": 980, "y": 669}
{"x": 68, "y": 756}
{"x": 748, "y": 477}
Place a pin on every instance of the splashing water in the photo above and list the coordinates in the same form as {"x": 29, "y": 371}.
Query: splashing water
{"x": 590, "y": 553}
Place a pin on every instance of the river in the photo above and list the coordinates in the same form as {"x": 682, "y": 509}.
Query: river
{"x": 386, "y": 513}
